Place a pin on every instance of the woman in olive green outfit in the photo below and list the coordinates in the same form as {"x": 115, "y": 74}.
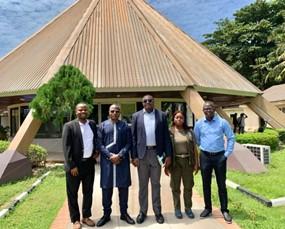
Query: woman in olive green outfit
{"x": 185, "y": 162}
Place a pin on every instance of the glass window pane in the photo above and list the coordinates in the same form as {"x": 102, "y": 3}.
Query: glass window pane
{"x": 127, "y": 109}
{"x": 105, "y": 111}
{"x": 171, "y": 107}
{"x": 14, "y": 125}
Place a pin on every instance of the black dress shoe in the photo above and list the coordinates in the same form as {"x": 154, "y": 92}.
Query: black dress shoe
{"x": 227, "y": 217}
{"x": 159, "y": 218}
{"x": 141, "y": 217}
{"x": 127, "y": 218}
{"x": 206, "y": 213}
{"x": 105, "y": 219}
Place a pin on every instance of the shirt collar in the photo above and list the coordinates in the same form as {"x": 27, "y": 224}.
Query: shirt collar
{"x": 145, "y": 112}
{"x": 83, "y": 124}
{"x": 214, "y": 118}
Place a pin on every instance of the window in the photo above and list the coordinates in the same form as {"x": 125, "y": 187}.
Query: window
{"x": 94, "y": 114}
{"x": 171, "y": 107}
{"x": 14, "y": 123}
{"x": 105, "y": 111}
{"x": 24, "y": 110}
{"x": 127, "y": 109}
{"x": 49, "y": 130}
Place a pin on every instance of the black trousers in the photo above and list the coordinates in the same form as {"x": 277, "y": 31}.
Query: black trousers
{"x": 86, "y": 176}
{"x": 107, "y": 200}
{"x": 218, "y": 163}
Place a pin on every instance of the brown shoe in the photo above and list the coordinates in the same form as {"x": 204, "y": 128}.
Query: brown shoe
{"x": 76, "y": 225}
{"x": 89, "y": 222}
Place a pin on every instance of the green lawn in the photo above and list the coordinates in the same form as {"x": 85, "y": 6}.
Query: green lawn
{"x": 10, "y": 190}
{"x": 247, "y": 212}
{"x": 40, "y": 208}
{"x": 270, "y": 184}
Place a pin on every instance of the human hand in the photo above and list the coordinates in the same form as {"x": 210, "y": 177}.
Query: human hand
{"x": 167, "y": 162}
{"x": 196, "y": 169}
{"x": 115, "y": 159}
{"x": 166, "y": 171}
{"x": 135, "y": 162}
{"x": 74, "y": 172}
{"x": 96, "y": 155}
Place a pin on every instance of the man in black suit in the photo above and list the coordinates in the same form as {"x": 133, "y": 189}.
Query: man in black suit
{"x": 151, "y": 143}
{"x": 79, "y": 146}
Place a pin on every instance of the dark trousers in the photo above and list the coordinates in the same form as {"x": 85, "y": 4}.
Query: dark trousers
{"x": 182, "y": 171}
{"x": 218, "y": 163}
{"x": 86, "y": 176}
{"x": 107, "y": 200}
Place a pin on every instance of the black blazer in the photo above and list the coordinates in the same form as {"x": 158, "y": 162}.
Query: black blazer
{"x": 73, "y": 143}
{"x": 163, "y": 143}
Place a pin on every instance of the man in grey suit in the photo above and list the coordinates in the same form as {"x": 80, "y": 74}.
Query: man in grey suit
{"x": 151, "y": 143}
{"x": 79, "y": 146}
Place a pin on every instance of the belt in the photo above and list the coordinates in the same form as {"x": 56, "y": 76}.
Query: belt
{"x": 150, "y": 147}
{"x": 212, "y": 153}
{"x": 85, "y": 159}
{"x": 182, "y": 155}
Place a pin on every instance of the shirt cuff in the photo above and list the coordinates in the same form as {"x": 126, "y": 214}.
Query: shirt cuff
{"x": 227, "y": 154}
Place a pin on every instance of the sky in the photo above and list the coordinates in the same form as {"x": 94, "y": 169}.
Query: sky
{"x": 19, "y": 19}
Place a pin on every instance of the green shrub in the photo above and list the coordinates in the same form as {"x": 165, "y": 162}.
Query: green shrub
{"x": 3, "y": 146}
{"x": 271, "y": 139}
{"x": 281, "y": 133}
{"x": 36, "y": 153}
{"x": 271, "y": 131}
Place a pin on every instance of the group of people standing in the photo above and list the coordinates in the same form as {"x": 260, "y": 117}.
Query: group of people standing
{"x": 150, "y": 144}
{"x": 238, "y": 122}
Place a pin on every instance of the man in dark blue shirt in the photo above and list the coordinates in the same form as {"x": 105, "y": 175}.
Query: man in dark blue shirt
{"x": 210, "y": 132}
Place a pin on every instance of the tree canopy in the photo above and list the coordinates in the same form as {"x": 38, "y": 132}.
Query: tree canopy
{"x": 56, "y": 100}
{"x": 253, "y": 42}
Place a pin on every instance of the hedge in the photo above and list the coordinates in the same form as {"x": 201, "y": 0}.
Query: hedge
{"x": 36, "y": 153}
{"x": 281, "y": 133}
{"x": 269, "y": 138}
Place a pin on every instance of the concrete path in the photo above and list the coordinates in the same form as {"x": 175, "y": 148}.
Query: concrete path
{"x": 216, "y": 221}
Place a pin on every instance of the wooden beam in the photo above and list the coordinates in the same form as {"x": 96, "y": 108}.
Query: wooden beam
{"x": 224, "y": 115}
{"x": 25, "y": 134}
{"x": 194, "y": 101}
{"x": 269, "y": 112}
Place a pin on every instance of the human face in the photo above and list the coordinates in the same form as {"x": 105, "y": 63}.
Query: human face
{"x": 114, "y": 113}
{"x": 81, "y": 112}
{"x": 179, "y": 120}
{"x": 148, "y": 103}
{"x": 209, "y": 111}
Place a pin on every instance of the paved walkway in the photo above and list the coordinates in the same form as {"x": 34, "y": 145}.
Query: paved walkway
{"x": 216, "y": 221}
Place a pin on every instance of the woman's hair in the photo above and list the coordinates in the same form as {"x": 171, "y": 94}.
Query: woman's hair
{"x": 185, "y": 127}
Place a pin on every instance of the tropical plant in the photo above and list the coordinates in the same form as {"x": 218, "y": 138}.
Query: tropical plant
{"x": 57, "y": 99}
{"x": 253, "y": 42}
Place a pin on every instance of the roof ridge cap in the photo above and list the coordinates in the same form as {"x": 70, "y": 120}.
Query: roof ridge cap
{"x": 65, "y": 50}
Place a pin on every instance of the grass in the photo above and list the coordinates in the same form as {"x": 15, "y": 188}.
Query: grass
{"x": 270, "y": 184}
{"x": 249, "y": 213}
{"x": 10, "y": 190}
{"x": 40, "y": 208}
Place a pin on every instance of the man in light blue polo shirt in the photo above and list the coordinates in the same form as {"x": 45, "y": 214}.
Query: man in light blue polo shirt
{"x": 210, "y": 132}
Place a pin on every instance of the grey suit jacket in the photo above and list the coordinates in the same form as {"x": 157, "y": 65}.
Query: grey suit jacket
{"x": 73, "y": 143}
{"x": 163, "y": 143}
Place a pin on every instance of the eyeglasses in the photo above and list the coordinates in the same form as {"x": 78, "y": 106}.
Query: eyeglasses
{"x": 147, "y": 100}
{"x": 114, "y": 111}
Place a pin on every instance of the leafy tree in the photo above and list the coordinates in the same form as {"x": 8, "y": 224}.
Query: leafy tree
{"x": 57, "y": 99}
{"x": 249, "y": 43}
